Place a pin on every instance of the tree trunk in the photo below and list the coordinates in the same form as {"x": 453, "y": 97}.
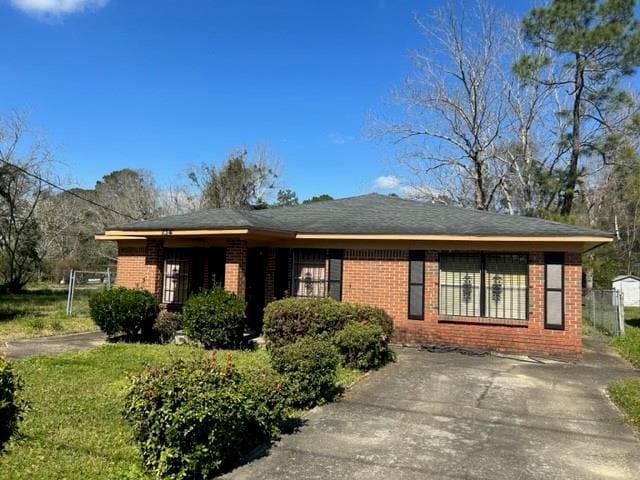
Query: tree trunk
{"x": 480, "y": 194}
{"x": 572, "y": 170}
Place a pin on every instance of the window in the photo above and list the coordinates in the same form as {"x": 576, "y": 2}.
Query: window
{"x": 190, "y": 270}
{"x": 308, "y": 278}
{"x": 554, "y": 291}
{"x": 177, "y": 267}
{"x": 506, "y": 286}
{"x": 316, "y": 273}
{"x": 460, "y": 285}
{"x": 484, "y": 285}
{"x": 416, "y": 285}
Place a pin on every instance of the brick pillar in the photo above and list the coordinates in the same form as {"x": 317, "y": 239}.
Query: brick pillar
{"x": 154, "y": 263}
{"x": 573, "y": 297}
{"x": 235, "y": 267}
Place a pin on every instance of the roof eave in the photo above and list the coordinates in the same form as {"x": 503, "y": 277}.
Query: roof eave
{"x": 193, "y": 232}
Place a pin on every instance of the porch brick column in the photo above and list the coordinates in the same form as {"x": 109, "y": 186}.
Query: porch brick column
{"x": 235, "y": 267}
{"x": 154, "y": 262}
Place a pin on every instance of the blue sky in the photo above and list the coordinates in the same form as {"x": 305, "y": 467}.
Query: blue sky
{"x": 164, "y": 84}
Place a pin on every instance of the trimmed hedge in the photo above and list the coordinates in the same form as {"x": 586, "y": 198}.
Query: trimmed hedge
{"x": 11, "y": 408}
{"x": 285, "y": 321}
{"x": 215, "y": 318}
{"x": 166, "y": 325}
{"x": 124, "y": 310}
{"x": 197, "y": 419}
{"x": 310, "y": 368}
{"x": 363, "y": 346}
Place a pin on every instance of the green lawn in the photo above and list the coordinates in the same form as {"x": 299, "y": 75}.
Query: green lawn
{"x": 41, "y": 311}
{"x": 626, "y": 393}
{"x": 74, "y": 429}
{"x": 628, "y": 345}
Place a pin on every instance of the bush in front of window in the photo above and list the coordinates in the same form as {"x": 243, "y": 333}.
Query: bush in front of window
{"x": 124, "y": 310}
{"x": 287, "y": 320}
{"x": 196, "y": 419}
{"x": 11, "y": 407}
{"x": 374, "y": 316}
{"x": 310, "y": 370}
{"x": 363, "y": 346}
{"x": 215, "y": 318}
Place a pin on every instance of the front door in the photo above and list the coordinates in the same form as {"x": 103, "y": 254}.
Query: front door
{"x": 256, "y": 272}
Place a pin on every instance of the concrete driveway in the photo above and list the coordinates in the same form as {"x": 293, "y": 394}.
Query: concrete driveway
{"x": 451, "y": 416}
{"x": 53, "y": 345}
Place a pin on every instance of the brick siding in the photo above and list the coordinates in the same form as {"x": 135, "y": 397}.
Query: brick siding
{"x": 140, "y": 265}
{"x": 381, "y": 280}
{"x": 235, "y": 269}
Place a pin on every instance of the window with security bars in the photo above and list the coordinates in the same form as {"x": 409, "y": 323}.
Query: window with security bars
{"x": 308, "y": 273}
{"x": 312, "y": 273}
{"x": 177, "y": 276}
{"x": 484, "y": 285}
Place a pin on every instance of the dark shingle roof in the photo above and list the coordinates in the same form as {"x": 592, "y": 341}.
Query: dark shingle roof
{"x": 369, "y": 214}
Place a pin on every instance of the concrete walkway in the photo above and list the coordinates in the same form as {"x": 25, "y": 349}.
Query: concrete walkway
{"x": 451, "y": 416}
{"x": 72, "y": 342}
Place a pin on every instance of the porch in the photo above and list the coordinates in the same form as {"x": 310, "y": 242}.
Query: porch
{"x": 257, "y": 273}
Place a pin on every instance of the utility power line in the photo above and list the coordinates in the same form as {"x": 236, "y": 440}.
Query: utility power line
{"x": 62, "y": 189}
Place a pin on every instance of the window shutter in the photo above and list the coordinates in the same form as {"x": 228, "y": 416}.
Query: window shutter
{"x": 554, "y": 291}
{"x": 335, "y": 274}
{"x": 416, "y": 284}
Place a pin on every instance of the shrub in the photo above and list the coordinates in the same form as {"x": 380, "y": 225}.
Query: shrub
{"x": 124, "y": 310}
{"x": 309, "y": 366}
{"x": 11, "y": 408}
{"x": 197, "y": 419}
{"x": 215, "y": 318}
{"x": 375, "y": 316}
{"x": 363, "y": 346}
{"x": 166, "y": 325}
{"x": 285, "y": 321}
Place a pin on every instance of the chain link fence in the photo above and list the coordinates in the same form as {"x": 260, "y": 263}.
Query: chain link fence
{"x": 603, "y": 309}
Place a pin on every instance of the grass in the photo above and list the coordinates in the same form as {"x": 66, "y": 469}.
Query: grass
{"x": 41, "y": 311}
{"x": 628, "y": 345}
{"x": 74, "y": 429}
{"x": 626, "y": 393}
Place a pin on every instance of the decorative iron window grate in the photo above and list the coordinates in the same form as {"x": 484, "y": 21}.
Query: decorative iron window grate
{"x": 308, "y": 277}
{"x": 177, "y": 276}
{"x": 484, "y": 285}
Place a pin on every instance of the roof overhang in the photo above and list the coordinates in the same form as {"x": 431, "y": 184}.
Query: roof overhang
{"x": 582, "y": 243}
{"x": 191, "y": 233}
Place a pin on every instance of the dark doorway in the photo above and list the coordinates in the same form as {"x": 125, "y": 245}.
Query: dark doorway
{"x": 256, "y": 273}
{"x": 208, "y": 268}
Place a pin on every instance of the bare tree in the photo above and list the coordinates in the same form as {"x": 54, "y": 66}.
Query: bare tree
{"x": 240, "y": 181}
{"x": 22, "y": 160}
{"x": 455, "y": 106}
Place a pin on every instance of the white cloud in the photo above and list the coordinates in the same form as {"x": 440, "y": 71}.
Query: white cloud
{"x": 386, "y": 182}
{"x": 340, "y": 139}
{"x": 57, "y": 8}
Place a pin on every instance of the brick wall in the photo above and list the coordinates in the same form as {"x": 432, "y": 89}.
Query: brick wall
{"x": 380, "y": 278}
{"x": 140, "y": 265}
{"x": 235, "y": 269}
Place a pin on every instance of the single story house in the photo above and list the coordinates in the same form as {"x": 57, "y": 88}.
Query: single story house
{"x": 446, "y": 275}
{"x": 629, "y": 285}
